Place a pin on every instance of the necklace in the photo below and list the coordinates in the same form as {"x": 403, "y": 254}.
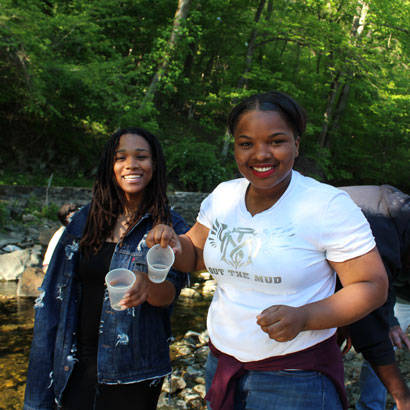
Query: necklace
{"x": 121, "y": 226}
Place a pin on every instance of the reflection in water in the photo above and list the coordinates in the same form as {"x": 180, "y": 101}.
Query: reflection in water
{"x": 8, "y": 288}
{"x": 16, "y": 326}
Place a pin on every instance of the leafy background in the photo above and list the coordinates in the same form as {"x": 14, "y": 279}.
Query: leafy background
{"x": 71, "y": 72}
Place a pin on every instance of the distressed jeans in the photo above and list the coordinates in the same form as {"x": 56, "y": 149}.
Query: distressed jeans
{"x": 280, "y": 390}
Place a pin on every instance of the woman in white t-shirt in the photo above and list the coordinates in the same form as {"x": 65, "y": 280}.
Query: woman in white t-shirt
{"x": 274, "y": 241}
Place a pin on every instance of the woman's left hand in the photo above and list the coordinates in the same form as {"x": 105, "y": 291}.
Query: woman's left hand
{"x": 138, "y": 294}
{"x": 365, "y": 285}
{"x": 282, "y": 323}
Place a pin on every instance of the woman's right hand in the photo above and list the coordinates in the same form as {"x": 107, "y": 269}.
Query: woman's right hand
{"x": 188, "y": 248}
{"x": 164, "y": 235}
{"x": 398, "y": 337}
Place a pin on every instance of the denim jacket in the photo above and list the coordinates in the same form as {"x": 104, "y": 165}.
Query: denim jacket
{"x": 133, "y": 344}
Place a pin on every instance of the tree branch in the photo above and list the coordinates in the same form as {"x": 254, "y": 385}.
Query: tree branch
{"x": 403, "y": 30}
{"x": 301, "y": 43}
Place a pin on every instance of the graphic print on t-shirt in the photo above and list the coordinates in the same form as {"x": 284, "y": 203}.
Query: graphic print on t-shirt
{"x": 255, "y": 257}
{"x": 238, "y": 245}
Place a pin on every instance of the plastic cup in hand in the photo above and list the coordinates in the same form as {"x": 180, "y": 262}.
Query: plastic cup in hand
{"x": 159, "y": 262}
{"x": 119, "y": 282}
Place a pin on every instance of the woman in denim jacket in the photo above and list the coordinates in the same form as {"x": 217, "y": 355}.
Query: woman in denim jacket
{"x": 84, "y": 354}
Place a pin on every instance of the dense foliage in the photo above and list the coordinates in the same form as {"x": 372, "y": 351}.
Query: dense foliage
{"x": 71, "y": 72}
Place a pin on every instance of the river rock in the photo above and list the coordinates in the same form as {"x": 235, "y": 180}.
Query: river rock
{"x": 205, "y": 275}
{"x": 202, "y": 353}
{"x": 46, "y": 234}
{"x": 200, "y": 389}
{"x": 200, "y": 380}
{"x": 209, "y": 288}
{"x": 183, "y": 349}
{"x": 190, "y": 293}
{"x": 11, "y": 248}
{"x": 29, "y": 218}
{"x": 177, "y": 383}
{"x": 166, "y": 402}
{"x": 192, "y": 337}
{"x": 29, "y": 282}
{"x": 10, "y": 238}
{"x": 191, "y": 397}
{"x": 13, "y": 264}
{"x": 193, "y": 372}
{"x": 204, "y": 337}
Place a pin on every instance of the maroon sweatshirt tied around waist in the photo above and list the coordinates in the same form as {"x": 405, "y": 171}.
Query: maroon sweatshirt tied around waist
{"x": 324, "y": 357}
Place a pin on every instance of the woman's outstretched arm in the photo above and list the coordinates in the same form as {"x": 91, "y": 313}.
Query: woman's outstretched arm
{"x": 188, "y": 248}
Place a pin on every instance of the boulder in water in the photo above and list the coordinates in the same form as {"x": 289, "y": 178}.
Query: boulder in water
{"x": 13, "y": 264}
{"x": 29, "y": 282}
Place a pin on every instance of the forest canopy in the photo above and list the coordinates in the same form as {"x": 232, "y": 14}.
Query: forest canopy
{"x": 71, "y": 72}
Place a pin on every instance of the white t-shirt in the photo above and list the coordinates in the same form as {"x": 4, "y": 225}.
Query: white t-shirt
{"x": 52, "y": 244}
{"x": 276, "y": 257}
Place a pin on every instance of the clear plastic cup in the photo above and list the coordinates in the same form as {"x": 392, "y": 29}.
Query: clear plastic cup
{"x": 159, "y": 261}
{"x": 119, "y": 282}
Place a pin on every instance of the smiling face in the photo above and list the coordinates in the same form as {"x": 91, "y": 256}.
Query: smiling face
{"x": 265, "y": 151}
{"x": 133, "y": 167}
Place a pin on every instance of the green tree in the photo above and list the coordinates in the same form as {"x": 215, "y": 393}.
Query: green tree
{"x": 72, "y": 72}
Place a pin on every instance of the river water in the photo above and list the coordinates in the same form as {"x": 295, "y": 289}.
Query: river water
{"x": 16, "y": 326}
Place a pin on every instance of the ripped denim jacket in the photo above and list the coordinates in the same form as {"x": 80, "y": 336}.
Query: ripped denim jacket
{"x": 133, "y": 344}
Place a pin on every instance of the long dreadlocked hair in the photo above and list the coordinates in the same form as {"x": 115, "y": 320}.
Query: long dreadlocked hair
{"x": 109, "y": 202}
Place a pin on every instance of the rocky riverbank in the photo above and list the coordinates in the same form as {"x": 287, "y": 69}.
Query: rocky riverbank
{"x": 186, "y": 388}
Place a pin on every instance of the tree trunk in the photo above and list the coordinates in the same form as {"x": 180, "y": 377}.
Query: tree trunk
{"x": 251, "y": 47}
{"x": 341, "y": 105}
{"x": 359, "y": 20}
{"x": 285, "y": 43}
{"x": 340, "y": 88}
{"x": 269, "y": 10}
{"x": 318, "y": 59}
{"x": 297, "y": 60}
{"x": 208, "y": 69}
{"x": 227, "y": 140}
{"x": 180, "y": 15}
{"x": 334, "y": 87}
